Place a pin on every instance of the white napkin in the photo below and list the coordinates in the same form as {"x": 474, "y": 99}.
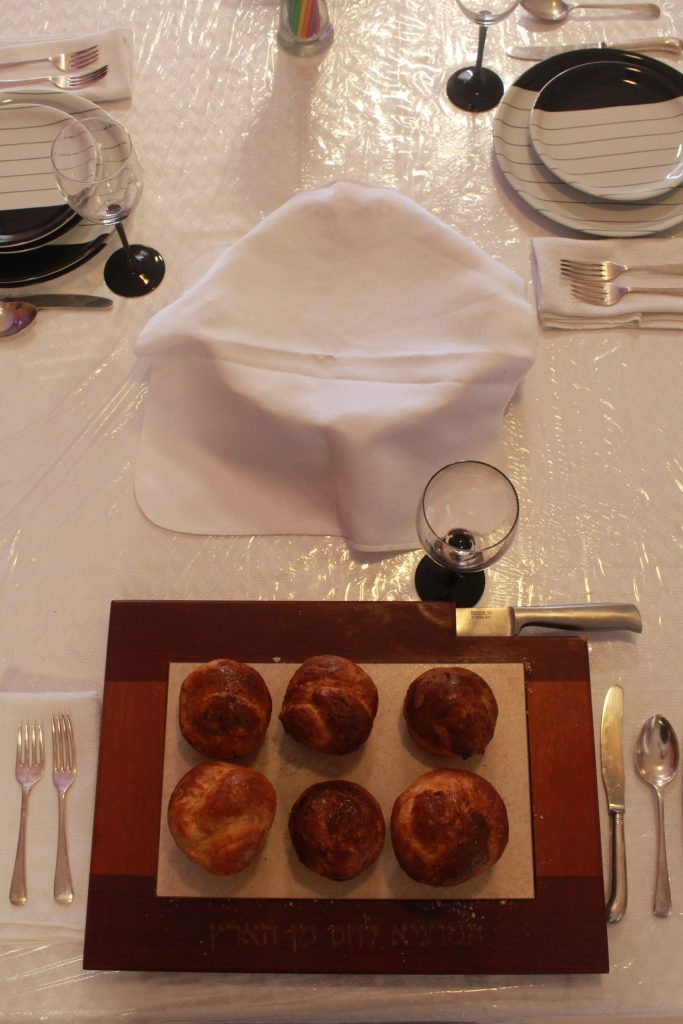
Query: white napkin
{"x": 40, "y": 917}
{"x": 557, "y": 307}
{"x": 115, "y": 52}
{"x": 327, "y": 364}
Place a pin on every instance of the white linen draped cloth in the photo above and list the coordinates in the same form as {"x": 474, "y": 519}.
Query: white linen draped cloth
{"x": 326, "y": 365}
{"x": 40, "y": 918}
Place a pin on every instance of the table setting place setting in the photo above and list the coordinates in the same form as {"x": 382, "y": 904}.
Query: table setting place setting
{"x": 353, "y": 676}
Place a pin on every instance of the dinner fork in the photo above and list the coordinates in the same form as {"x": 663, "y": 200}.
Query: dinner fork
{"x": 62, "y": 81}
{"x": 608, "y": 270}
{"x": 62, "y": 61}
{"x": 29, "y": 768}
{"x": 63, "y": 775}
{"x": 609, "y": 294}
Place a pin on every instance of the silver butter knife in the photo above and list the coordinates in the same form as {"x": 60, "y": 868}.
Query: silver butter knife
{"x": 667, "y": 44}
{"x": 612, "y": 762}
{"x": 53, "y": 301}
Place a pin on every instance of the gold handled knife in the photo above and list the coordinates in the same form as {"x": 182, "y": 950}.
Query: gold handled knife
{"x": 612, "y": 762}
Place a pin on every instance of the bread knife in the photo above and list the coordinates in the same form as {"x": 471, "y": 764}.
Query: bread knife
{"x": 509, "y": 621}
{"x": 665, "y": 44}
{"x": 612, "y": 762}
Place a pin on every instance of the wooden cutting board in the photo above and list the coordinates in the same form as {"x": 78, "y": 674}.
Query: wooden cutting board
{"x": 561, "y": 930}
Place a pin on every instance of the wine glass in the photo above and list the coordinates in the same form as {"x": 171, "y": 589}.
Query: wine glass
{"x": 466, "y": 519}
{"x": 479, "y": 88}
{"x": 99, "y": 175}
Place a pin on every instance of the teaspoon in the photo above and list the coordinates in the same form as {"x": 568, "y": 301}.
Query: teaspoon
{"x": 18, "y": 314}
{"x": 657, "y": 762}
{"x": 558, "y": 10}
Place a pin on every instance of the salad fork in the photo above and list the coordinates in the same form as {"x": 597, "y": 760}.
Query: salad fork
{"x": 29, "y": 768}
{"x": 63, "y": 775}
{"x": 61, "y": 81}
{"x": 62, "y": 61}
{"x": 608, "y": 270}
{"x": 609, "y": 294}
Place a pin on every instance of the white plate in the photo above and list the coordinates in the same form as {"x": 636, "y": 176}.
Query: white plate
{"x": 542, "y": 190}
{"x": 611, "y": 130}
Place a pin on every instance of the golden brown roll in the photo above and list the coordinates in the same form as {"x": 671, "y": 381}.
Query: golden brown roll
{"x": 219, "y": 815}
{"x": 450, "y": 710}
{"x": 337, "y": 829}
{"x": 330, "y": 705}
{"x": 224, "y": 709}
{"x": 448, "y": 826}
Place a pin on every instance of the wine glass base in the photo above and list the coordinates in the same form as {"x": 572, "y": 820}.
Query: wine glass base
{"x": 475, "y": 92}
{"x": 433, "y": 583}
{"x": 146, "y": 273}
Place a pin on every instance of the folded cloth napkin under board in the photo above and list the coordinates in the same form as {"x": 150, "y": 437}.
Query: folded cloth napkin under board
{"x": 40, "y": 918}
{"x": 115, "y": 46}
{"x": 326, "y": 365}
{"x": 557, "y": 306}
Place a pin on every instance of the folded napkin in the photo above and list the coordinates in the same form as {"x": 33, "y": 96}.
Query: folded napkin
{"x": 115, "y": 52}
{"x": 557, "y": 307}
{"x": 41, "y": 918}
{"x": 325, "y": 366}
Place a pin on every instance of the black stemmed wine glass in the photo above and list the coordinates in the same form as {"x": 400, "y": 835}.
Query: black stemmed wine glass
{"x": 478, "y": 88}
{"x": 100, "y": 176}
{"x": 466, "y": 519}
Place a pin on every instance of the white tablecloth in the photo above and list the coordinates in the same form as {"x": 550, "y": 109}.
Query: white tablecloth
{"x": 228, "y": 127}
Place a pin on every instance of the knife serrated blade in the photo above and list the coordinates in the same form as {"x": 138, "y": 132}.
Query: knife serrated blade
{"x": 665, "y": 44}
{"x": 612, "y": 764}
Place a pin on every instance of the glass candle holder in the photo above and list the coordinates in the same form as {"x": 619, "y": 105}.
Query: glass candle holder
{"x": 305, "y": 27}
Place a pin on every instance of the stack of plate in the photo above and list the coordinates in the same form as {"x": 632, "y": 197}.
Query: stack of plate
{"x": 593, "y": 139}
{"x": 40, "y": 235}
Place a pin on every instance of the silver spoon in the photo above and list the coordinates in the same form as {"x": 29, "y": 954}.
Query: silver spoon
{"x": 657, "y": 762}
{"x": 15, "y": 316}
{"x": 558, "y": 10}
{"x": 18, "y": 314}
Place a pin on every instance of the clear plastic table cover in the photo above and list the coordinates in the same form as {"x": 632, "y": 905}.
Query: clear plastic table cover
{"x": 228, "y": 127}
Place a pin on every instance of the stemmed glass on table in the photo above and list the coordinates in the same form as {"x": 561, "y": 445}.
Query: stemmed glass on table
{"x": 466, "y": 519}
{"x": 99, "y": 175}
{"x": 478, "y": 88}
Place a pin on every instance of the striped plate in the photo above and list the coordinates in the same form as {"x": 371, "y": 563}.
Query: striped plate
{"x": 611, "y": 130}
{"x": 541, "y": 189}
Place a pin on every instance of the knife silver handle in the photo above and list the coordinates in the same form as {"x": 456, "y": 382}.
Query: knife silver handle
{"x": 668, "y": 44}
{"x": 616, "y": 901}
{"x": 581, "y": 616}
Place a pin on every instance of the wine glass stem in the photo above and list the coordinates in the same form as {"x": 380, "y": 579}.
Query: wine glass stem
{"x": 480, "y": 51}
{"x": 126, "y": 246}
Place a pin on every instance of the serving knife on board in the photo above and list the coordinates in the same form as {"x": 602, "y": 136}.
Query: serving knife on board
{"x": 612, "y": 763}
{"x": 509, "y": 621}
{"x": 665, "y": 44}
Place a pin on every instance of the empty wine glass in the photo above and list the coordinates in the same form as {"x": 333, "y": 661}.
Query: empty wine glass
{"x": 466, "y": 519}
{"x": 479, "y": 88}
{"x": 99, "y": 175}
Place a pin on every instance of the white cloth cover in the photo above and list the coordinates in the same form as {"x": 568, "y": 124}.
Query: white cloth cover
{"x": 41, "y": 918}
{"x": 557, "y": 307}
{"x": 326, "y": 365}
{"x": 115, "y": 52}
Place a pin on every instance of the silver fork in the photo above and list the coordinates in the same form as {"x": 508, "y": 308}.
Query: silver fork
{"x": 62, "y": 61}
{"x": 62, "y": 81}
{"x": 63, "y": 775}
{"x": 607, "y": 270}
{"x": 608, "y": 294}
{"x": 29, "y": 768}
